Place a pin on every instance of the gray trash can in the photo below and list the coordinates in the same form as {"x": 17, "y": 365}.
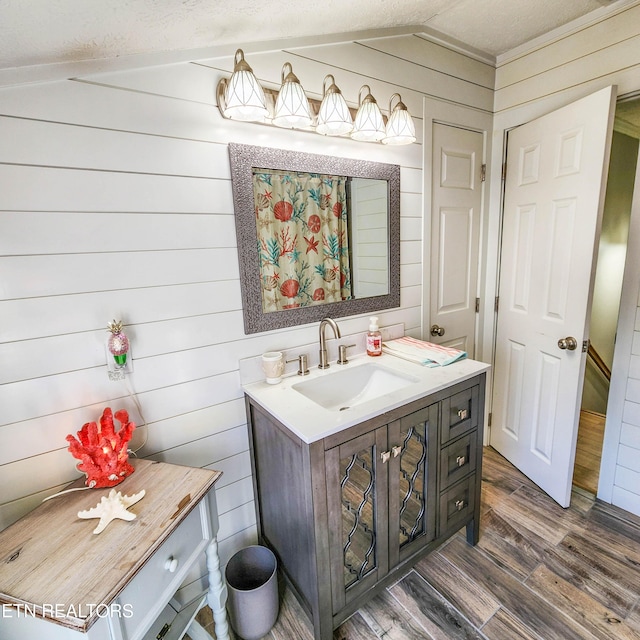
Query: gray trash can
{"x": 252, "y": 582}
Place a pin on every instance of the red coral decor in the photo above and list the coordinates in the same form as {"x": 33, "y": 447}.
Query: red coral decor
{"x": 103, "y": 453}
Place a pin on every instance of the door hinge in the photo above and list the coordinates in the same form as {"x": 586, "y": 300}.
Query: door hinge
{"x": 497, "y": 304}
{"x": 477, "y": 305}
{"x": 483, "y": 173}
{"x": 504, "y": 171}
{"x": 489, "y": 417}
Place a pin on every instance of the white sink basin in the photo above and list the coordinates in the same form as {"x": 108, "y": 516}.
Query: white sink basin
{"x": 348, "y": 387}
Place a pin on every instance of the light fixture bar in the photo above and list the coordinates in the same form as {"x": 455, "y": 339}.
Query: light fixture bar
{"x": 290, "y": 107}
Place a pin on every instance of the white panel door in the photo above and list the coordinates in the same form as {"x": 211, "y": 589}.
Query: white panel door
{"x": 455, "y": 234}
{"x": 556, "y": 174}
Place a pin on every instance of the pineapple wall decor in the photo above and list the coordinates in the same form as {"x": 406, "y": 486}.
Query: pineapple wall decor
{"x": 118, "y": 343}
{"x": 119, "y": 360}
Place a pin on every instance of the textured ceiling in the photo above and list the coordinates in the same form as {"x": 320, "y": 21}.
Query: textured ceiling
{"x": 36, "y": 32}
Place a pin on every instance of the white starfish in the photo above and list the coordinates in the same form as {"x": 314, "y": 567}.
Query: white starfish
{"x": 113, "y": 506}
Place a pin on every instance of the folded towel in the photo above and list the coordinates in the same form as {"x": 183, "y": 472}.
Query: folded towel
{"x": 425, "y": 353}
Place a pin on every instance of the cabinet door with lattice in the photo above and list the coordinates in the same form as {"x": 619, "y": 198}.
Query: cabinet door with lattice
{"x": 358, "y": 507}
{"x": 413, "y": 444}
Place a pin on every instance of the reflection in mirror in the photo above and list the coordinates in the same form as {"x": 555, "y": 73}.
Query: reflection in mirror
{"x": 303, "y": 238}
{"x": 316, "y": 235}
{"x": 370, "y": 237}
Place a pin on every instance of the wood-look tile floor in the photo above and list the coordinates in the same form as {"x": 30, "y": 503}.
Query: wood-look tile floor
{"x": 586, "y": 470}
{"x": 539, "y": 572}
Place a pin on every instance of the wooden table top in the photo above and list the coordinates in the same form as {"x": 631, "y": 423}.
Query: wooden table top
{"x": 50, "y": 556}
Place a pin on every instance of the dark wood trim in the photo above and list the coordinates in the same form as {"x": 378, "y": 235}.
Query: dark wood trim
{"x": 600, "y": 364}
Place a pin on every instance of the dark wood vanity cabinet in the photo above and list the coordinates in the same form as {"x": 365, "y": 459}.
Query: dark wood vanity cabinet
{"x": 350, "y": 513}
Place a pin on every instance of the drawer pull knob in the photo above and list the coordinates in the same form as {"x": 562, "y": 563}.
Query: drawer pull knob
{"x": 384, "y": 456}
{"x": 163, "y": 632}
{"x": 462, "y": 414}
{"x": 461, "y": 460}
{"x": 460, "y": 505}
{"x": 397, "y": 450}
{"x": 171, "y": 564}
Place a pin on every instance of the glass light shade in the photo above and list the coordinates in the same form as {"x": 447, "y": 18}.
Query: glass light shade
{"x": 243, "y": 96}
{"x": 400, "y": 128}
{"x": 334, "y": 117}
{"x": 292, "y": 105}
{"x": 368, "y": 125}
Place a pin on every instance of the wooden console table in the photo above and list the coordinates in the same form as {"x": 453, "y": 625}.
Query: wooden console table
{"x": 60, "y": 581}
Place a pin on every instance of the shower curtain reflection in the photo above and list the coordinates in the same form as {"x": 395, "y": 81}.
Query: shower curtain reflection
{"x": 303, "y": 238}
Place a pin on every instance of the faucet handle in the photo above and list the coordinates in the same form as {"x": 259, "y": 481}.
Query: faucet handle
{"x": 303, "y": 364}
{"x": 342, "y": 353}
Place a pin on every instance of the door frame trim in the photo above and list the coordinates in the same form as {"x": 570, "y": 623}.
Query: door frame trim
{"x": 622, "y": 351}
{"x": 455, "y": 115}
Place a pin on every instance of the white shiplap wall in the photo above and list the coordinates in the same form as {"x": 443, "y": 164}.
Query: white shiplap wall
{"x": 620, "y": 474}
{"x": 532, "y": 82}
{"x": 116, "y": 202}
{"x": 370, "y": 256}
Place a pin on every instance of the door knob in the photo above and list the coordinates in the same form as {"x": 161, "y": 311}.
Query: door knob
{"x": 568, "y": 343}
{"x": 437, "y": 331}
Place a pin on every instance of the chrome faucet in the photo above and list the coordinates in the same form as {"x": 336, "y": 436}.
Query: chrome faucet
{"x": 323, "y": 348}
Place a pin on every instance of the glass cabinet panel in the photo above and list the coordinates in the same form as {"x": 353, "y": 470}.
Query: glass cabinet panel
{"x": 357, "y": 482}
{"x": 412, "y": 482}
{"x": 357, "y": 500}
{"x": 412, "y": 487}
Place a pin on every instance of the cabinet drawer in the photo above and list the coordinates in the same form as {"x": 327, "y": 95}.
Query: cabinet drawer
{"x": 456, "y": 505}
{"x": 459, "y": 414}
{"x": 154, "y": 585}
{"x": 457, "y": 460}
{"x": 172, "y": 624}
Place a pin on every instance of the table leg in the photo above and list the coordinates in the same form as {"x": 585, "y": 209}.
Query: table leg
{"x": 217, "y": 594}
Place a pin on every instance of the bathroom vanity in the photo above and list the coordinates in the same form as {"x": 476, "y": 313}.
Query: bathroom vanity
{"x": 352, "y": 493}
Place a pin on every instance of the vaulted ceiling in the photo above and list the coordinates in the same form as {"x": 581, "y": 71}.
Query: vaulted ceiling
{"x": 37, "y": 32}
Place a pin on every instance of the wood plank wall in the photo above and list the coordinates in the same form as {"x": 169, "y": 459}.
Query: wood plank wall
{"x": 369, "y": 253}
{"x": 591, "y": 56}
{"x": 116, "y": 202}
{"x": 532, "y": 82}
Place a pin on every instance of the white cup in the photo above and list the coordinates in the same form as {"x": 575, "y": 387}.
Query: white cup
{"x": 273, "y": 366}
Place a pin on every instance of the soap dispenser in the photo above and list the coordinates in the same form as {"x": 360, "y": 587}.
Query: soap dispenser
{"x": 374, "y": 338}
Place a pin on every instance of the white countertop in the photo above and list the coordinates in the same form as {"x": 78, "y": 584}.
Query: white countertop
{"x": 312, "y": 422}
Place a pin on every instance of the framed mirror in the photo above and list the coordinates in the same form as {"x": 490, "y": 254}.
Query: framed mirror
{"x": 317, "y": 236}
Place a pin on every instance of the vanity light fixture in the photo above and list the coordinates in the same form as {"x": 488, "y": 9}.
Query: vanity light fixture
{"x": 242, "y": 97}
{"x": 292, "y": 105}
{"x": 368, "y": 125}
{"x": 400, "y": 128}
{"x": 334, "y": 117}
